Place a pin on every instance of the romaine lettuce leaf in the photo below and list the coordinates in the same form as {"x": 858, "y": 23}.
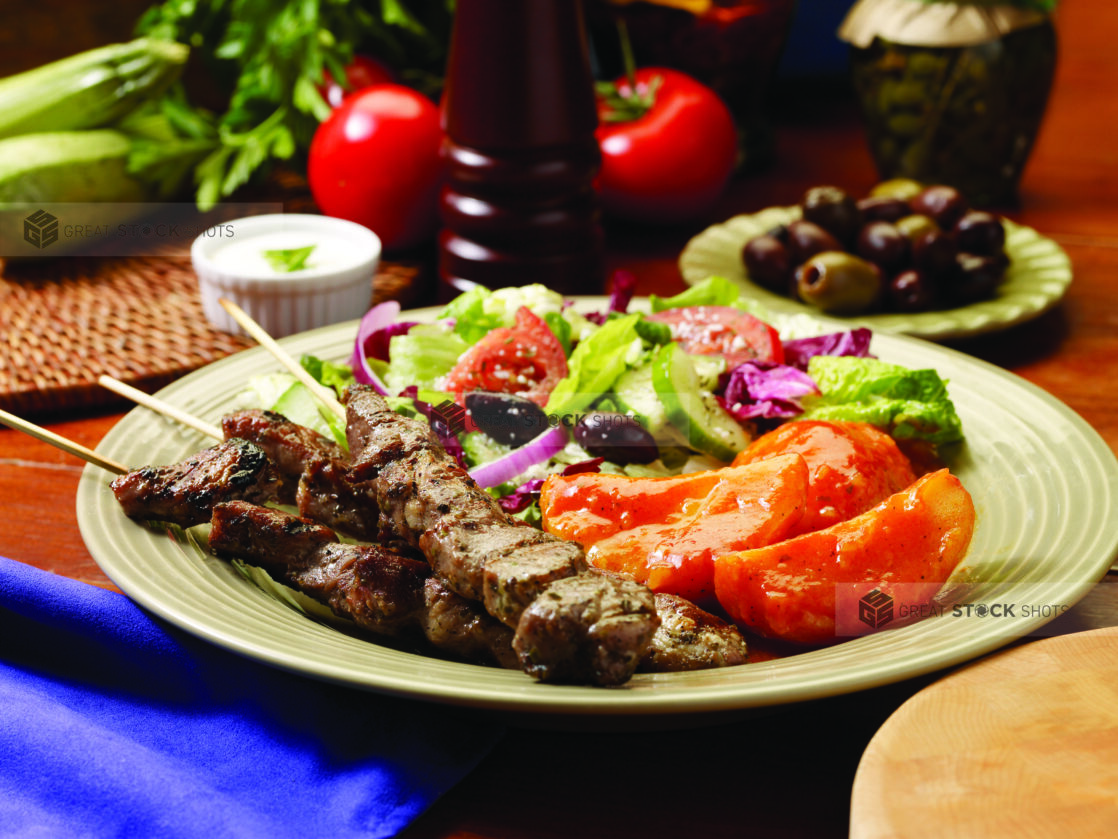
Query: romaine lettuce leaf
{"x": 713, "y": 291}
{"x": 471, "y": 321}
{"x": 909, "y": 404}
{"x": 328, "y": 373}
{"x": 595, "y": 364}
{"x": 421, "y": 356}
{"x": 479, "y": 311}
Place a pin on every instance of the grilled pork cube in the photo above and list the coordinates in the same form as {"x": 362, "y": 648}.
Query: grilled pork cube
{"x": 380, "y": 591}
{"x": 419, "y": 489}
{"x": 289, "y": 445}
{"x": 400, "y": 463}
{"x": 375, "y": 588}
{"x": 514, "y": 581}
{"x": 461, "y": 627}
{"x": 588, "y": 628}
{"x": 326, "y": 496}
{"x": 313, "y": 468}
{"x": 504, "y": 566}
{"x": 691, "y": 639}
{"x": 185, "y": 493}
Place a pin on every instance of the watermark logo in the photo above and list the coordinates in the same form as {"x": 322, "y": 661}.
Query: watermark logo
{"x": 452, "y": 414}
{"x": 875, "y": 609}
{"x": 865, "y": 607}
{"x": 40, "y": 229}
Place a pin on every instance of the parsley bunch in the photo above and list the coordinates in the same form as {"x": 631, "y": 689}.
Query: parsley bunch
{"x": 268, "y": 58}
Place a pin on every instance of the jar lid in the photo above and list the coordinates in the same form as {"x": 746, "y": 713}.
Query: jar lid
{"x": 923, "y": 24}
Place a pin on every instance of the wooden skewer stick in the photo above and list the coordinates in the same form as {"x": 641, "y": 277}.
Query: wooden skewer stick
{"x": 62, "y": 443}
{"x": 159, "y": 406}
{"x": 324, "y": 394}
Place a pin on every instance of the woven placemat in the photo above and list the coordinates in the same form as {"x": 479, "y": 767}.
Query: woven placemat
{"x": 66, "y": 321}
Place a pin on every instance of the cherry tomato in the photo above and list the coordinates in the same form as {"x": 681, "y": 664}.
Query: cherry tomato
{"x": 375, "y": 160}
{"x": 525, "y": 358}
{"x": 725, "y": 331}
{"x": 360, "y": 73}
{"x": 672, "y": 162}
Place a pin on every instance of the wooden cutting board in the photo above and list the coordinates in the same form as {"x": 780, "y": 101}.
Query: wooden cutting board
{"x": 1021, "y": 744}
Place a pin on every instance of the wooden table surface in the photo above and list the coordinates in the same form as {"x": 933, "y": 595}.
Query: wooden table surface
{"x": 787, "y": 773}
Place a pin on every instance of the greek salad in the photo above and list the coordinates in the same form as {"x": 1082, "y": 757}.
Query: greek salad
{"x": 519, "y": 383}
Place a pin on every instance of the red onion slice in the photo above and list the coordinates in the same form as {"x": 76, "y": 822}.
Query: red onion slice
{"x": 538, "y": 450}
{"x": 377, "y": 318}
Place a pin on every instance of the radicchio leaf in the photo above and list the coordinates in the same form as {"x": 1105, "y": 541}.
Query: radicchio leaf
{"x": 623, "y": 284}
{"x": 766, "y": 390}
{"x": 855, "y": 342}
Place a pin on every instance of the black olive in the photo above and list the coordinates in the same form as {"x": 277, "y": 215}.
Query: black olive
{"x": 934, "y": 252}
{"x": 980, "y": 232}
{"x": 945, "y": 204}
{"x": 884, "y": 245}
{"x": 833, "y": 210}
{"x": 767, "y": 262}
{"x": 976, "y": 278}
{"x": 911, "y": 291}
{"x": 509, "y": 419}
{"x": 779, "y": 232}
{"x": 883, "y": 208}
{"x": 619, "y": 438}
{"x": 806, "y": 239}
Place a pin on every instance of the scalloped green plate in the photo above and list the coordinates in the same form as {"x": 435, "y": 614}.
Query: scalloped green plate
{"x": 1038, "y": 277}
{"x": 1044, "y": 483}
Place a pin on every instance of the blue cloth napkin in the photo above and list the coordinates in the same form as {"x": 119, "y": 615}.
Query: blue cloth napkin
{"x": 112, "y": 724}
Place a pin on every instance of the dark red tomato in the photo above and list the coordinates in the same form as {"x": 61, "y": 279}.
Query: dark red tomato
{"x": 525, "y": 358}
{"x": 725, "y": 331}
{"x": 360, "y": 73}
{"x": 375, "y": 160}
{"x": 671, "y": 162}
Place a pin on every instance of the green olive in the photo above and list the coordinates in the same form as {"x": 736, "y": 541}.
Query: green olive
{"x": 915, "y": 226}
{"x": 903, "y": 188}
{"x": 839, "y": 283}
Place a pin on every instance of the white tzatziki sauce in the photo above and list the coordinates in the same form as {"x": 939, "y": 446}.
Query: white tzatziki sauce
{"x": 247, "y": 255}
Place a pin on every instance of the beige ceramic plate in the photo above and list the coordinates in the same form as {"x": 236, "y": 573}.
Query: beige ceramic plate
{"x": 1038, "y": 276}
{"x": 1044, "y": 483}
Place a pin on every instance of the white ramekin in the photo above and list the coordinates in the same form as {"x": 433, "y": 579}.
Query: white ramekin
{"x": 286, "y": 303}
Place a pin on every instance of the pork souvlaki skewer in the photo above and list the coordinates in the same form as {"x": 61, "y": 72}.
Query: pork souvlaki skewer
{"x": 378, "y": 590}
{"x": 589, "y": 628}
{"x": 688, "y": 638}
{"x": 571, "y": 624}
{"x": 311, "y": 466}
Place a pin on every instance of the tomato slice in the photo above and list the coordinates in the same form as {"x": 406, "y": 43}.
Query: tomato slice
{"x": 526, "y": 359}
{"x": 725, "y": 331}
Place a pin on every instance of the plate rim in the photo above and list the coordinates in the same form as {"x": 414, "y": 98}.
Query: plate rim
{"x": 513, "y": 692}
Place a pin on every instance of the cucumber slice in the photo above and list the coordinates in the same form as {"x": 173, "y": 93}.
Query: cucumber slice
{"x": 634, "y": 394}
{"x": 693, "y": 410}
{"x": 708, "y": 368}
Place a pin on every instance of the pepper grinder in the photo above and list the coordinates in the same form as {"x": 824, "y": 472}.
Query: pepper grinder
{"x": 519, "y": 204}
